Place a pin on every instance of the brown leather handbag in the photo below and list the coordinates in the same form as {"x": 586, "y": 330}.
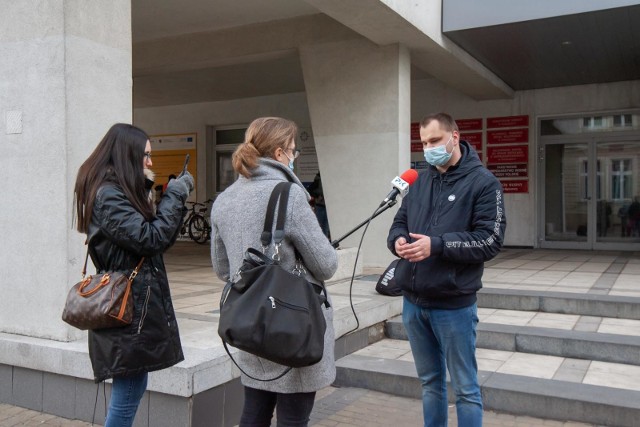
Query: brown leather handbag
{"x": 101, "y": 301}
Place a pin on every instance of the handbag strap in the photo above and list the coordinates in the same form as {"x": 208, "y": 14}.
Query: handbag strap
{"x": 133, "y": 275}
{"x": 135, "y": 271}
{"x": 285, "y": 372}
{"x": 86, "y": 259}
{"x": 280, "y": 195}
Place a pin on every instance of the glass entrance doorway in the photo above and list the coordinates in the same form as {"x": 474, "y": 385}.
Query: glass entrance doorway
{"x": 591, "y": 193}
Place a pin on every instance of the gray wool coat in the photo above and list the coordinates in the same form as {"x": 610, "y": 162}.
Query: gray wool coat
{"x": 237, "y": 219}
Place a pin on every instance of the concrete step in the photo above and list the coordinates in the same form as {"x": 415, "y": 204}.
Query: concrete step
{"x": 589, "y": 304}
{"x": 606, "y": 347}
{"x": 520, "y": 383}
{"x": 558, "y": 355}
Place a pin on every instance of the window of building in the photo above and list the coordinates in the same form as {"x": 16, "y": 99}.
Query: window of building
{"x": 584, "y": 181}
{"x": 590, "y": 124}
{"x": 622, "y": 120}
{"x": 595, "y": 122}
{"x": 227, "y": 140}
{"x": 621, "y": 179}
{"x": 230, "y": 136}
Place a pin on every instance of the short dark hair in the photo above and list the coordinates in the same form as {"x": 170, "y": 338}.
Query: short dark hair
{"x": 445, "y": 120}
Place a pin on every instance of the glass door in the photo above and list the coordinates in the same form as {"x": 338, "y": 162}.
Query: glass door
{"x": 568, "y": 192}
{"x": 591, "y": 193}
{"x": 617, "y": 210}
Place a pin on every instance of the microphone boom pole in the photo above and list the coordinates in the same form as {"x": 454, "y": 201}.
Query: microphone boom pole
{"x": 381, "y": 209}
{"x": 400, "y": 187}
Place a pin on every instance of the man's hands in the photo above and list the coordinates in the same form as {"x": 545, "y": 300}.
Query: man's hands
{"x": 417, "y": 251}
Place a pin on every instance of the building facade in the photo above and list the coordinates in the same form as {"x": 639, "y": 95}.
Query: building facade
{"x": 548, "y": 93}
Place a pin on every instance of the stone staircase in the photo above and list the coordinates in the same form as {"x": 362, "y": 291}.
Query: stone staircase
{"x": 555, "y": 355}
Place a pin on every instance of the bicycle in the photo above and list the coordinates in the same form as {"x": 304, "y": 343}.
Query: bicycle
{"x": 196, "y": 223}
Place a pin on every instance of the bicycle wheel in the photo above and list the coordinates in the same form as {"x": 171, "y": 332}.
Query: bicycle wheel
{"x": 198, "y": 229}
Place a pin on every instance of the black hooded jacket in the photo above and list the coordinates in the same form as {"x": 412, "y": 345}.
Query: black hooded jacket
{"x": 462, "y": 210}
{"x": 118, "y": 237}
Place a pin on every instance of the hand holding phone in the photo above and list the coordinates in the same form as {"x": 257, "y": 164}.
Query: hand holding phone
{"x": 186, "y": 163}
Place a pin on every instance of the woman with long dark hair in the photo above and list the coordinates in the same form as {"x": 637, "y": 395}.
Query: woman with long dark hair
{"x": 264, "y": 159}
{"x": 113, "y": 209}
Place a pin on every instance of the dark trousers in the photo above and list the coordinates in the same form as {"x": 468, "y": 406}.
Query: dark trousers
{"x": 323, "y": 219}
{"x": 292, "y": 409}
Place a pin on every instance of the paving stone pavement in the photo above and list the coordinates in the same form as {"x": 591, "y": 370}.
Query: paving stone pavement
{"x": 192, "y": 283}
{"x": 335, "y": 407}
{"x": 359, "y": 407}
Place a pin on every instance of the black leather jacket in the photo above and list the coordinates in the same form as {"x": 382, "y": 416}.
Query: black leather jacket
{"x": 118, "y": 237}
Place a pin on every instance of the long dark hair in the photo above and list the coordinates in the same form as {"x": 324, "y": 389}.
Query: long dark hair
{"x": 117, "y": 158}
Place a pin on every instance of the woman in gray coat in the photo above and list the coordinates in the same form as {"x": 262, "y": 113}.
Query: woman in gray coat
{"x": 264, "y": 159}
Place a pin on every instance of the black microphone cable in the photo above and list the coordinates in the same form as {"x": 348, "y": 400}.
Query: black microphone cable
{"x": 355, "y": 264}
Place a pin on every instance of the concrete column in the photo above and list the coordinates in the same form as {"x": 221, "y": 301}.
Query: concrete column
{"x": 359, "y": 102}
{"x": 65, "y": 77}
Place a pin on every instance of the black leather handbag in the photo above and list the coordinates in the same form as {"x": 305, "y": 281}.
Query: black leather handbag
{"x": 387, "y": 284}
{"x": 268, "y": 311}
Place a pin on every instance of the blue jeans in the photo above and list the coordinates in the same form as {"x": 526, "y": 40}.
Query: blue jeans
{"x": 292, "y": 409}
{"x": 442, "y": 339}
{"x": 126, "y": 393}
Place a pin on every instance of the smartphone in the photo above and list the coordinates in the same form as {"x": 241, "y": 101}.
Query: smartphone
{"x": 186, "y": 163}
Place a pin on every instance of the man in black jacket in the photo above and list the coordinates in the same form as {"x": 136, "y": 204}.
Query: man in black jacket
{"x": 449, "y": 224}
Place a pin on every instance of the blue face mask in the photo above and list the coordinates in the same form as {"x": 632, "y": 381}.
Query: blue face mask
{"x": 438, "y": 156}
{"x": 290, "y": 161}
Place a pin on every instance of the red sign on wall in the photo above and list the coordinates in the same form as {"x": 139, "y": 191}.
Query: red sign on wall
{"x": 477, "y": 147}
{"x": 509, "y": 171}
{"x": 513, "y": 154}
{"x": 507, "y": 122}
{"x": 415, "y": 131}
{"x": 469, "y": 124}
{"x": 416, "y": 147}
{"x": 507, "y": 136}
{"x": 474, "y": 138}
{"x": 516, "y": 186}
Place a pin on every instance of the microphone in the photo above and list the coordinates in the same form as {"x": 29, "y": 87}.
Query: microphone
{"x": 400, "y": 185}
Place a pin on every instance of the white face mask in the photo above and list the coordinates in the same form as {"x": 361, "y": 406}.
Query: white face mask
{"x": 438, "y": 156}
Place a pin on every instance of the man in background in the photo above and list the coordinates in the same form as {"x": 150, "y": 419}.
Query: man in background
{"x": 164, "y": 187}
{"x": 315, "y": 190}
